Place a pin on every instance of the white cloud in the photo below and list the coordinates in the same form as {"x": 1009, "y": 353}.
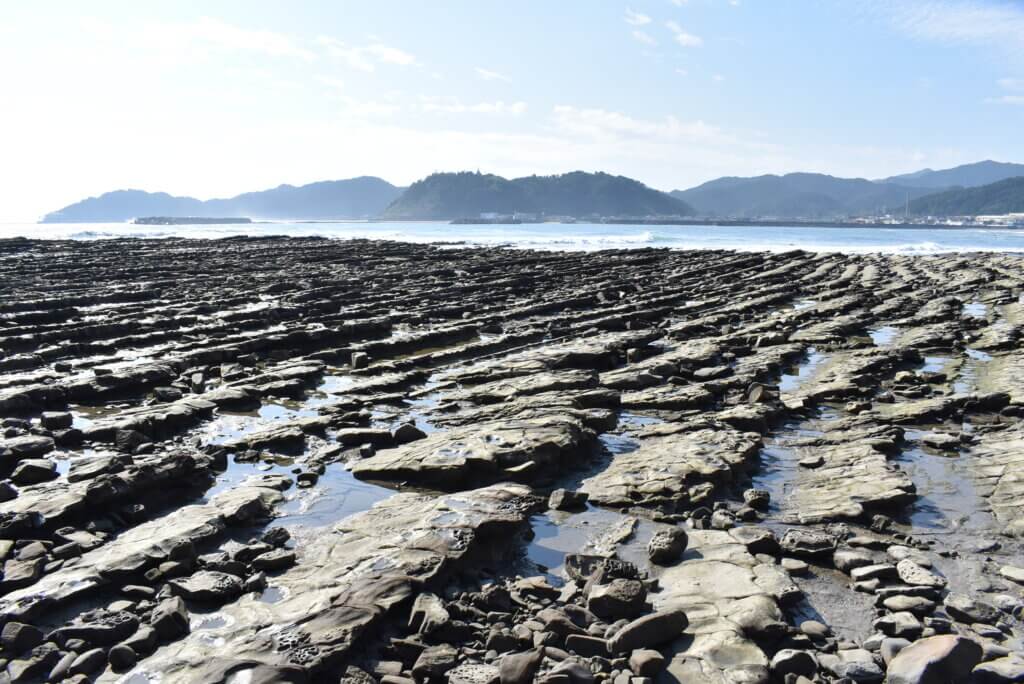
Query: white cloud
{"x": 644, "y": 38}
{"x": 331, "y": 82}
{"x": 450, "y": 105}
{"x": 1006, "y": 99}
{"x": 636, "y": 18}
{"x": 717, "y": 78}
{"x": 995, "y": 23}
{"x": 488, "y": 75}
{"x": 368, "y": 108}
{"x": 682, "y": 72}
{"x": 682, "y": 37}
{"x": 207, "y": 34}
{"x": 236, "y": 38}
{"x": 1014, "y": 95}
{"x": 366, "y": 57}
{"x": 602, "y": 123}
{"x": 679, "y": 3}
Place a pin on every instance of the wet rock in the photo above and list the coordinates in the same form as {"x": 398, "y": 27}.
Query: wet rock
{"x": 936, "y": 660}
{"x": 56, "y": 420}
{"x": 664, "y": 469}
{"x": 276, "y": 536}
{"x": 428, "y": 614}
{"x": 890, "y": 647}
{"x": 849, "y": 560}
{"x": 874, "y": 571}
{"x": 208, "y": 586}
{"x": 520, "y": 668}
{"x": 18, "y": 637}
{"x": 758, "y": 616}
{"x": 649, "y": 631}
{"x": 758, "y": 499}
{"x": 646, "y": 662}
{"x": 620, "y": 598}
{"x": 19, "y": 574}
{"x": 794, "y": 566}
{"x": 902, "y": 625}
{"x": 34, "y": 665}
{"x": 915, "y": 575}
{"x": 808, "y": 544}
{"x": 170, "y": 618}
{"x": 1012, "y": 573}
{"x": 434, "y": 662}
{"x": 275, "y": 560}
{"x": 586, "y": 646}
{"x": 999, "y": 671}
{"x": 33, "y": 471}
{"x": 481, "y": 453}
{"x": 407, "y": 432}
{"x": 918, "y": 605}
{"x": 666, "y": 546}
{"x": 27, "y": 446}
{"x": 101, "y": 628}
{"x": 565, "y": 500}
{"x": 89, "y": 662}
{"x": 963, "y": 608}
{"x": 792, "y": 662}
{"x": 122, "y": 658}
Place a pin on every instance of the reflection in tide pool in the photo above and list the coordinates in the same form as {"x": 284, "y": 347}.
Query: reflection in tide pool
{"x": 884, "y": 335}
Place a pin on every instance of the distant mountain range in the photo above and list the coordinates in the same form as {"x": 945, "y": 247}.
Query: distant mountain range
{"x": 1003, "y": 197}
{"x": 577, "y": 194}
{"x": 966, "y": 176}
{"x": 803, "y": 195}
{"x": 364, "y": 197}
{"x": 814, "y": 195}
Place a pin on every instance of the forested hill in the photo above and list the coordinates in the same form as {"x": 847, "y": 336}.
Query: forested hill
{"x": 1004, "y": 197}
{"x": 577, "y": 194}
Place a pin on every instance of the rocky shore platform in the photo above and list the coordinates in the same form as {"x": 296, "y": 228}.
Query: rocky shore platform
{"x": 261, "y": 460}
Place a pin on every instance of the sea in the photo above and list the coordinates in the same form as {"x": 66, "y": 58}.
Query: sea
{"x": 573, "y": 236}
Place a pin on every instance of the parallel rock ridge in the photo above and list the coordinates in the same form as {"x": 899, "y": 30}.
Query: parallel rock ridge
{"x": 728, "y": 444}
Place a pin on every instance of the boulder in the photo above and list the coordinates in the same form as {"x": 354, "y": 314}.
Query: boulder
{"x": 18, "y": 637}
{"x": 33, "y": 471}
{"x": 649, "y": 631}
{"x": 208, "y": 586}
{"x": 666, "y": 546}
{"x": 789, "y": 661}
{"x": 916, "y": 575}
{"x": 808, "y": 544}
{"x": 565, "y": 500}
{"x": 434, "y": 662}
{"x": 620, "y": 598}
{"x": 170, "y": 618}
{"x": 646, "y": 662}
{"x": 944, "y": 659}
{"x": 520, "y": 668}
{"x": 1000, "y": 671}
{"x": 963, "y": 608}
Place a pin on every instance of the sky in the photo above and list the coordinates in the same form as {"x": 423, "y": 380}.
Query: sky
{"x": 213, "y": 98}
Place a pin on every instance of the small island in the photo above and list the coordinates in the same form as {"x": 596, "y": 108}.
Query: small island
{"x": 184, "y": 220}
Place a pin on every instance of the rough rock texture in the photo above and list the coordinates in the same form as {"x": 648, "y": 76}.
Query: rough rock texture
{"x": 367, "y": 564}
{"x": 662, "y": 471}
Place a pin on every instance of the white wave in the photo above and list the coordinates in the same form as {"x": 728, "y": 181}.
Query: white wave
{"x": 573, "y": 237}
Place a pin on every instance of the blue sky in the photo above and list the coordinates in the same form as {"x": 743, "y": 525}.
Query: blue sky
{"x": 215, "y": 98}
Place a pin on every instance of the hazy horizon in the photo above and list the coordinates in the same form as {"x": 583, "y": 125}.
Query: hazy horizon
{"x": 212, "y": 101}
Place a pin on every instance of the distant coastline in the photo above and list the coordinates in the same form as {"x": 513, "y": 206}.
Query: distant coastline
{"x": 743, "y": 223}
{"x": 186, "y": 220}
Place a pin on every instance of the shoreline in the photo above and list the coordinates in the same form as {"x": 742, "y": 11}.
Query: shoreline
{"x": 299, "y": 457}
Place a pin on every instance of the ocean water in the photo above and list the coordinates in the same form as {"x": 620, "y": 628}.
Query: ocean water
{"x": 576, "y": 236}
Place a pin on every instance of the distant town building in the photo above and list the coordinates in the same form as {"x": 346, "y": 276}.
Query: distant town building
{"x": 1015, "y": 219}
